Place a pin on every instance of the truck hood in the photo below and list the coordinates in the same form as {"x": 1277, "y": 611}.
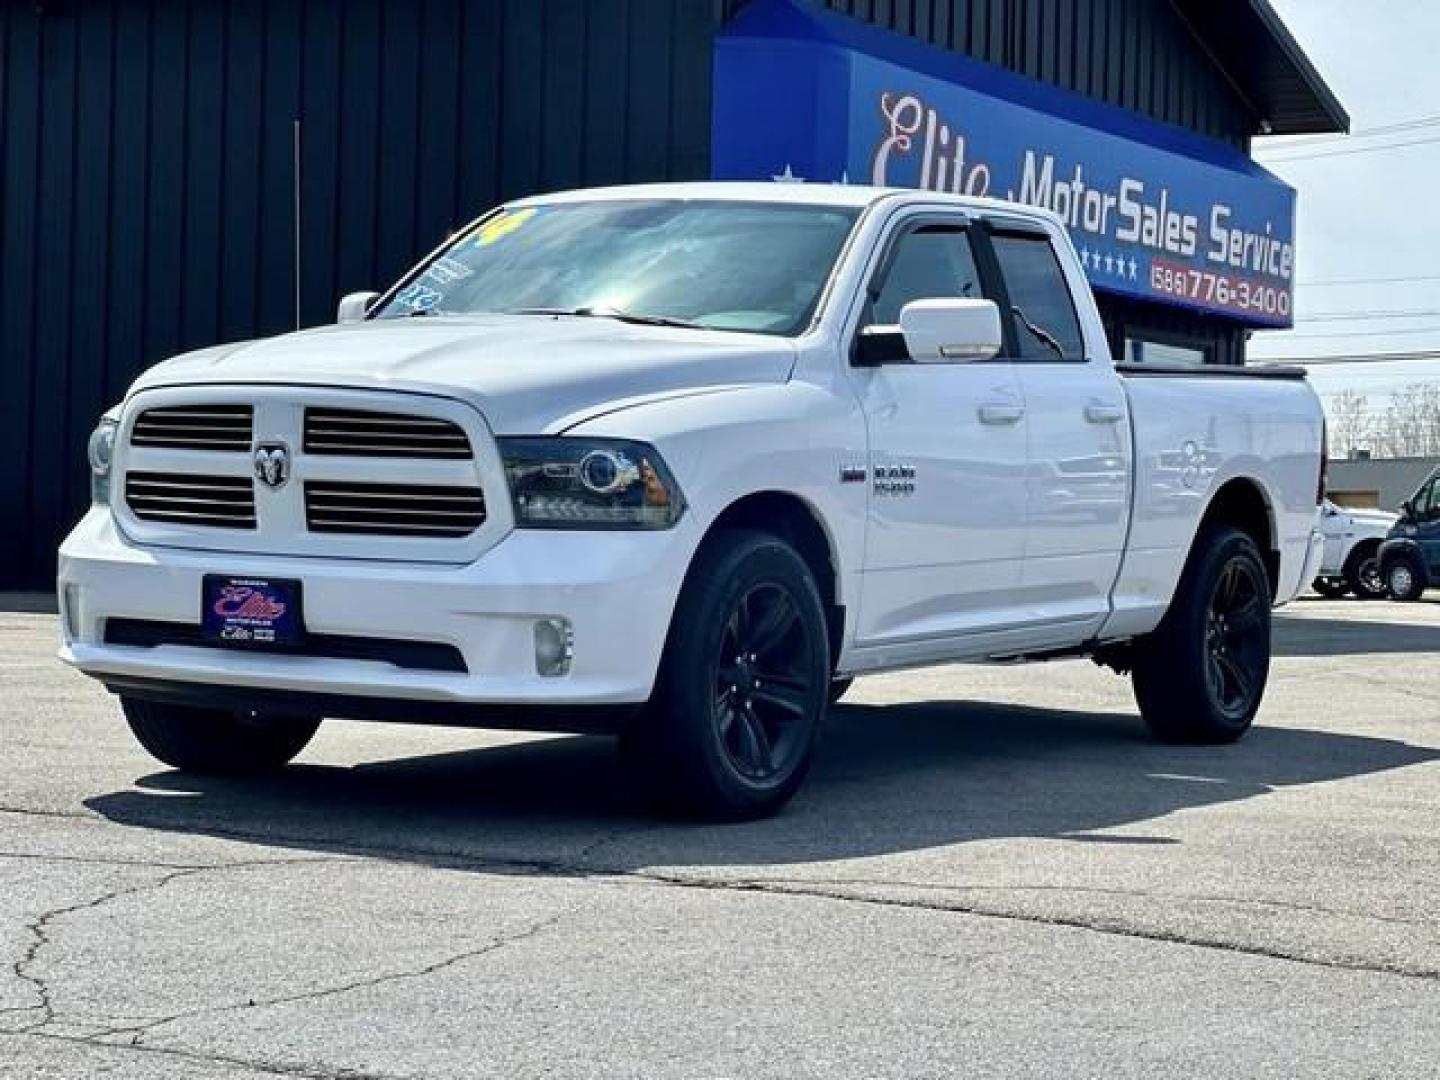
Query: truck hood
{"x": 528, "y": 374}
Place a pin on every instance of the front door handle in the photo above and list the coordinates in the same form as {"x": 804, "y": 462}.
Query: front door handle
{"x": 1097, "y": 412}
{"x": 995, "y": 412}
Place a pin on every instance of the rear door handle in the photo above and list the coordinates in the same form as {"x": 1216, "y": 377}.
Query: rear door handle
{"x": 1098, "y": 412}
{"x": 999, "y": 413}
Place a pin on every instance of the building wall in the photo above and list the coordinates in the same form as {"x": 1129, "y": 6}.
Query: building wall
{"x": 147, "y": 182}
{"x": 1381, "y": 482}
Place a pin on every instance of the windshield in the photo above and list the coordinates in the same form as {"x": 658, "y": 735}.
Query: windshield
{"x": 719, "y": 264}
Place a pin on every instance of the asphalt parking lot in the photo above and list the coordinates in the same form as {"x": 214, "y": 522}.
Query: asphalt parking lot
{"x": 992, "y": 872}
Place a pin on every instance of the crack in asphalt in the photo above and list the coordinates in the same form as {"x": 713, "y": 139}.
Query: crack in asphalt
{"x": 576, "y": 868}
{"x": 298, "y": 1072}
{"x": 138, "y": 1032}
{"x": 39, "y": 928}
{"x": 1098, "y": 926}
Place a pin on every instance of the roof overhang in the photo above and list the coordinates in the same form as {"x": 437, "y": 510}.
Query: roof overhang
{"x": 1266, "y": 65}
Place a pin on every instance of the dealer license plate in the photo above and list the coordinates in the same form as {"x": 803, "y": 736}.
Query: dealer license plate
{"x": 256, "y": 612}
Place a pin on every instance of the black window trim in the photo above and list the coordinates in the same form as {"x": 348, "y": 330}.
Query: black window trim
{"x": 991, "y": 286}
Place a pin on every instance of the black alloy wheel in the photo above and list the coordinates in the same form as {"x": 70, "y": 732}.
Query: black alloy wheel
{"x": 762, "y": 688}
{"x": 730, "y": 732}
{"x": 1200, "y": 675}
{"x": 1237, "y": 638}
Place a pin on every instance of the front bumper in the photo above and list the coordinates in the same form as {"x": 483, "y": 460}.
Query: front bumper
{"x": 617, "y": 589}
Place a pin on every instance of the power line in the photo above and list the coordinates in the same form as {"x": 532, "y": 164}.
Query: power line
{"x": 1349, "y": 150}
{"x": 1367, "y": 281}
{"x": 1350, "y": 358}
{"x": 1368, "y": 333}
{"x": 1288, "y": 142}
{"x": 1348, "y": 316}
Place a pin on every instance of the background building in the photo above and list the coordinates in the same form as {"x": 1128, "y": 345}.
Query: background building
{"x": 150, "y": 200}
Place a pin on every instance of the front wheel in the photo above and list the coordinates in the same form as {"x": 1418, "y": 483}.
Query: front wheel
{"x": 1200, "y": 676}
{"x": 731, "y": 729}
{"x": 1404, "y": 579}
{"x": 216, "y": 741}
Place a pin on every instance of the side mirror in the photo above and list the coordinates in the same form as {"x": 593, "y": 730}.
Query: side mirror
{"x": 951, "y": 330}
{"x": 355, "y": 306}
{"x": 1407, "y": 509}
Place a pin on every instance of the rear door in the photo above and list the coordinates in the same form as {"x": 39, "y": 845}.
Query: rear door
{"x": 945, "y": 537}
{"x": 1077, "y": 484}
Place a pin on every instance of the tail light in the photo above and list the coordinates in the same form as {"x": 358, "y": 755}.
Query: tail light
{"x": 1324, "y": 483}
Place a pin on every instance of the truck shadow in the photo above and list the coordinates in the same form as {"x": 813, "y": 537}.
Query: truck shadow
{"x": 890, "y": 779}
{"x": 1352, "y": 637}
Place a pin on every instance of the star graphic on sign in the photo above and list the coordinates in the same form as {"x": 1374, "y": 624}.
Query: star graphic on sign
{"x": 1120, "y": 266}
{"x": 788, "y": 176}
{"x": 1133, "y": 268}
{"x": 1085, "y": 257}
{"x": 1109, "y": 263}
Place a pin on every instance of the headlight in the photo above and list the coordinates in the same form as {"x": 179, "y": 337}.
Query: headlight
{"x": 101, "y": 452}
{"x": 579, "y": 483}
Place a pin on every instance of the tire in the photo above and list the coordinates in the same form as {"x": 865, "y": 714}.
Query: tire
{"x": 1330, "y": 588}
{"x": 1404, "y": 578}
{"x": 1200, "y": 676}
{"x": 216, "y": 742}
{"x": 839, "y": 688}
{"x": 731, "y": 729}
{"x": 1362, "y": 573}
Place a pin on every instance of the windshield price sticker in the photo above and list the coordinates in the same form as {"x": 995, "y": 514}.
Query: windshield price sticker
{"x": 501, "y": 226}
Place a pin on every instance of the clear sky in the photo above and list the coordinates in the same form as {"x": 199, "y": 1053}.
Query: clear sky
{"x": 1366, "y": 213}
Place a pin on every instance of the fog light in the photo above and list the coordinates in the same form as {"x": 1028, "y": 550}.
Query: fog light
{"x": 554, "y": 647}
{"x": 70, "y": 611}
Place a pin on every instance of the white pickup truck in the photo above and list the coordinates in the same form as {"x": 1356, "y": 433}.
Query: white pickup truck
{"x": 675, "y": 463}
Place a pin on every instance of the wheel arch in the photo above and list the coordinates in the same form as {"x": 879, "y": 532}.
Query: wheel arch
{"x": 797, "y": 522}
{"x": 1242, "y": 503}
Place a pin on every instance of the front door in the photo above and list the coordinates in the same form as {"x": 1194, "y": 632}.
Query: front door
{"x": 945, "y": 540}
{"x": 1426, "y": 506}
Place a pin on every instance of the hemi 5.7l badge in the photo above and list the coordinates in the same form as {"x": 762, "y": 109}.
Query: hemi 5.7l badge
{"x": 894, "y": 480}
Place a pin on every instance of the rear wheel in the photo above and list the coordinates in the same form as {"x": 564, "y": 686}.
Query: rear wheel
{"x": 1200, "y": 676}
{"x": 1330, "y": 588}
{"x": 1362, "y": 572}
{"x": 731, "y": 729}
{"x": 1404, "y": 579}
{"x": 216, "y": 741}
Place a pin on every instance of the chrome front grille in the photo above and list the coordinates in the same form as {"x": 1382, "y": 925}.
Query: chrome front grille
{"x": 362, "y": 433}
{"x": 196, "y": 427}
{"x": 393, "y": 509}
{"x": 224, "y": 502}
{"x": 345, "y": 473}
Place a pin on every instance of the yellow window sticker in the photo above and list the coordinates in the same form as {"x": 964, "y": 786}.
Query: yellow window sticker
{"x": 497, "y": 228}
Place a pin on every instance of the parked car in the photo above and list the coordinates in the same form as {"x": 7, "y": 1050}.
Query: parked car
{"x": 670, "y": 462}
{"x": 1410, "y": 558}
{"x": 1352, "y": 551}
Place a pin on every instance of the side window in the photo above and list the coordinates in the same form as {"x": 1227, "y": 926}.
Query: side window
{"x": 932, "y": 261}
{"x": 1427, "y": 503}
{"x": 1046, "y": 325}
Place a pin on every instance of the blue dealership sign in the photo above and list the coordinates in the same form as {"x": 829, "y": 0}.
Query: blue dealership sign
{"x": 1156, "y": 212}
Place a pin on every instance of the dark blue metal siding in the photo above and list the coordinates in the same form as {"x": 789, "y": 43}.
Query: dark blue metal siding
{"x": 146, "y": 175}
